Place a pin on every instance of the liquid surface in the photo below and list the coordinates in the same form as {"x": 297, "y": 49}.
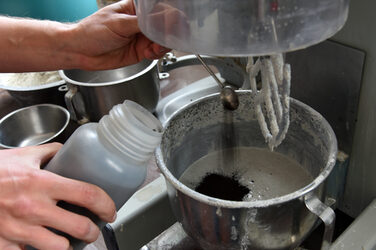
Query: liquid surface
{"x": 266, "y": 174}
{"x": 222, "y": 187}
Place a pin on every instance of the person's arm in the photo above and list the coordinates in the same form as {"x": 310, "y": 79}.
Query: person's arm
{"x": 28, "y": 198}
{"x": 110, "y": 38}
{"x": 31, "y": 45}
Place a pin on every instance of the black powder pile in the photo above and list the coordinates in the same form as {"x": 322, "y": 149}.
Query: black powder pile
{"x": 222, "y": 187}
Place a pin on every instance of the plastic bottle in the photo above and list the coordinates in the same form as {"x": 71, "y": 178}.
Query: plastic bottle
{"x": 112, "y": 154}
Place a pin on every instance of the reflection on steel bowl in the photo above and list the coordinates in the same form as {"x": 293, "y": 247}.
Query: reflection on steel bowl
{"x": 93, "y": 93}
{"x": 33, "y": 125}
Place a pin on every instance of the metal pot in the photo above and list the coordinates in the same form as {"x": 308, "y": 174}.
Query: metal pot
{"x": 45, "y": 93}
{"x": 93, "y": 93}
{"x": 277, "y": 223}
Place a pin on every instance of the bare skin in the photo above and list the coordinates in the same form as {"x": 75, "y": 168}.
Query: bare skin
{"x": 110, "y": 38}
{"x": 107, "y": 39}
{"x": 28, "y": 198}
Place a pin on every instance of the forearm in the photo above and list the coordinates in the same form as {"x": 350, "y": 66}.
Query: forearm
{"x": 34, "y": 45}
{"x": 107, "y": 39}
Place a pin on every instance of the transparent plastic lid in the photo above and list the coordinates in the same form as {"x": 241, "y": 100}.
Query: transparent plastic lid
{"x": 241, "y": 27}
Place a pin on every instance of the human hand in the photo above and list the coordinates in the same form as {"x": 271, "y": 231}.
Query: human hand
{"x": 111, "y": 38}
{"x": 28, "y": 198}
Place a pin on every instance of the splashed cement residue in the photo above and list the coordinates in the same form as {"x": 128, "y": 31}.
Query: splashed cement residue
{"x": 234, "y": 233}
{"x": 219, "y": 212}
{"x": 273, "y": 96}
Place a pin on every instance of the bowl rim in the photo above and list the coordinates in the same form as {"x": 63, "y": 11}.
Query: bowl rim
{"x": 324, "y": 173}
{"x": 64, "y": 110}
{"x": 152, "y": 64}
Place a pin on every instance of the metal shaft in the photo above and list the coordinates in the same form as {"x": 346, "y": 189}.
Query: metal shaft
{"x": 222, "y": 85}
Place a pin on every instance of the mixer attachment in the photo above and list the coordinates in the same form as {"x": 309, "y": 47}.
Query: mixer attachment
{"x": 272, "y": 100}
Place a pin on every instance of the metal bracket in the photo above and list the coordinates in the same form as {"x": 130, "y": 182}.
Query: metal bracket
{"x": 326, "y": 214}
{"x": 75, "y": 105}
{"x": 234, "y": 74}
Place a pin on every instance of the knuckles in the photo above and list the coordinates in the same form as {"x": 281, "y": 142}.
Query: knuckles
{"x": 16, "y": 233}
{"x": 96, "y": 200}
{"x": 24, "y": 207}
{"x": 91, "y": 195}
{"x": 86, "y": 231}
{"x": 61, "y": 243}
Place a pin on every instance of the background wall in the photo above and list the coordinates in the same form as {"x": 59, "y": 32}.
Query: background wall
{"x": 59, "y": 10}
{"x": 359, "y": 32}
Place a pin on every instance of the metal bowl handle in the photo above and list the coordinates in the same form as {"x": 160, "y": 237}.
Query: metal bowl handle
{"x": 75, "y": 105}
{"x": 326, "y": 214}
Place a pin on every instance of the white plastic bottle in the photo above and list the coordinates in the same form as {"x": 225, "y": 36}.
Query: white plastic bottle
{"x": 112, "y": 154}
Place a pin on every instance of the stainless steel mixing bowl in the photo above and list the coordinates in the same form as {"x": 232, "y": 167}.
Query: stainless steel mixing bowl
{"x": 92, "y": 94}
{"x": 33, "y": 125}
{"x": 282, "y": 222}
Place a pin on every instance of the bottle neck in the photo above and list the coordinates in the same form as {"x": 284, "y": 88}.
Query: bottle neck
{"x": 132, "y": 130}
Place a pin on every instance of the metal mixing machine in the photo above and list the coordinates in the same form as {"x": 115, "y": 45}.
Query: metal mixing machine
{"x": 326, "y": 75}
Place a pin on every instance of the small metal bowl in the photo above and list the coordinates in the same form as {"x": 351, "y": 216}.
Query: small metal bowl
{"x": 33, "y": 125}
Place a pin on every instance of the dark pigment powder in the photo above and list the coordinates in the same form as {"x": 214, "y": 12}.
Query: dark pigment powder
{"x": 222, "y": 187}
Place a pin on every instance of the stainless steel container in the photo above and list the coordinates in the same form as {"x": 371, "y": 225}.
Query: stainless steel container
{"x": 277, "y": 223}
{"x": 242, "y": 27}
{"x": 33, "y": 125}
{"x": 93, "y": 93}
{"x": 45, "y": 93}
